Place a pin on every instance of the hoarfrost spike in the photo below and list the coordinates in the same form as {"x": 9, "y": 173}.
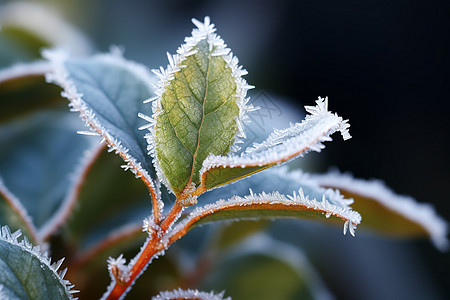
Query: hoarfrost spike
{"x": 189, "y": 294}
{"x": 167, "y": 128}
{"x": 297, "y": 204}
{"x": 281, "y": 146}
{"x": 60, "y": 76}
{"x": 118, "y": 270}
{"x": 12, "y": 238}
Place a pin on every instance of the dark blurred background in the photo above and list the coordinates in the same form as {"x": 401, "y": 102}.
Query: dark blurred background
{"x": 383, "y": 64}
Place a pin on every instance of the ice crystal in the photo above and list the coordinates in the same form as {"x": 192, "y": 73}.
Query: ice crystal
{"x": 43, "y": 257}
{"x": 150, "y": 226}
{"x": 421, "y": 213}
{"x": 60, "y": 76}
{"x": 204, "y": 30}
{"x": 283, "y": 145}
{"x": 118, "y": 270}
{"x": 189, "y": 294}
{"x": 338, "y": 209}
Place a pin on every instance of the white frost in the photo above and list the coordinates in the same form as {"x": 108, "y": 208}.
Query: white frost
{"x": 17, "y": 206}
{"x": 43, "y": 257}
{"x": 44, "y": 22}
{"x": 25, "y": 69}
{"x": 60, "y": 76}
{"x": 204, "y": 31}
{"x": 189, "y": 294}
{"x": 422, "y": 213}
{"x": 338, "y": 208}
{"x": 283, "y": 145}
{"x": 68, "y": 203}
{"x": 118, "y": 265}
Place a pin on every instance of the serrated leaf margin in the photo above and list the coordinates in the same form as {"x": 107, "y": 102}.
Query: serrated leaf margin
{"x": 339, "y": 209}
{"x": 422, "y": 213}
{"x": 43, "y": 257}
{"x": 286, "y": 144}
{"x": 189, "y": 294}
{"x": 204, "y": 30}
{"x": 77, "y": 178}
{"x": 60, "y": 77}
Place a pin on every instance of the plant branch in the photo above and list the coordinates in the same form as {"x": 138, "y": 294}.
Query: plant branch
{"x": 152, "y": 247}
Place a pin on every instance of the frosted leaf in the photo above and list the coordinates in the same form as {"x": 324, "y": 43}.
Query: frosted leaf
{"x": 280, "y": 146}
{"x": 18, "y": 209}
{"x": 257, "y": 255}
{"x": 45, "y": 24}
{"x": 386, "y": 211}
{"x": 46, "y": 143}
{"x": 41, "y": 278}
{"x": 199, "y": 109}
{"x": 189, "y": 294}
{"x": 107, "y": 91}
{"x": 266, "y": 205}
{"x": 24, "y": 70}
{"x": 23, "y": 90}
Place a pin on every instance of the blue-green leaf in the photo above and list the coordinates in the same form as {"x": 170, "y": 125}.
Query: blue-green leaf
{"x": 29, "y": 26}
{"x": 27, "y": 273}
{"x": 386, "y": 212}
{"x": 42, "y": 161}
{"x": 23, "y": 90}
{"x": 281, "y": 146}
{"x": 108, "y": 92}
{"x": 281, "y": 194}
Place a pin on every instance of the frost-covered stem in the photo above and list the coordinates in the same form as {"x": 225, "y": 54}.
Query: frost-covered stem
{"x": 153, "y": 246}
{"x": 155, "y": 204}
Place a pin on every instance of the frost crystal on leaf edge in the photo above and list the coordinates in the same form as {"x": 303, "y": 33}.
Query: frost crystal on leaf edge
{"x": 338, "y": 208}
{"x": 59, "y": 76}
{"x": 20, "y": 209}
{"x": 43, "y": 257}
{"x": 289, "y": 143}
{"x": 77, "y": 178}
{"x": 204, "y": 30}
{"x": 421, "y": 213}
{"x": 189, "y": 294}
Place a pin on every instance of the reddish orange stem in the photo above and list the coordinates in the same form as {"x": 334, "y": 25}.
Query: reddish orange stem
{"x": 150, "y": 249}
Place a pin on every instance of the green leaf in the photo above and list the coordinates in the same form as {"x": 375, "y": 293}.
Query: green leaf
{"x": 310, "y": 202}
{"x": 263, "y": 268}
{"x": 387, "y": 212}
{"x": 27, "y": 273}
{"x": 23, "y": 37}
{"x": 23, "y": 89}
{"x": 280, "y": 146}
{"x": 42, "y": 160}
{"x": 106, "y": 222}
{"x": 189, "y": 294}
{"x": 108, "y": 92}
{"x": 14, "y": 214}
{"x": 198, "y": 108}
{"x": 111, "y": 203}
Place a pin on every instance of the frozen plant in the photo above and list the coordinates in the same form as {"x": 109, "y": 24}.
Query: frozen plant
{"x": 181, "y": 136}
